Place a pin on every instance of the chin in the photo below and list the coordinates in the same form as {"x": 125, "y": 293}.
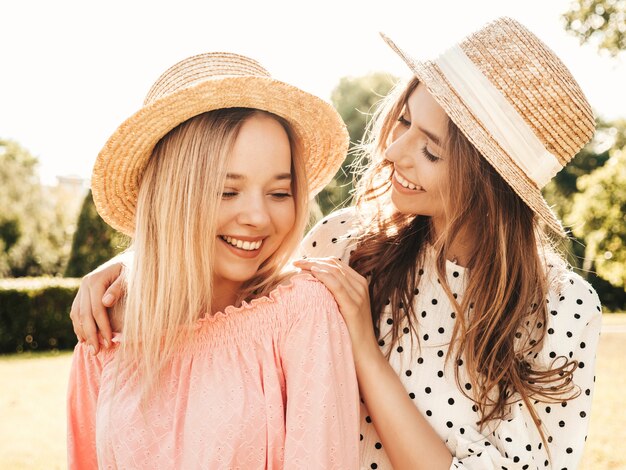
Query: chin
{"x": 403, "y": 206}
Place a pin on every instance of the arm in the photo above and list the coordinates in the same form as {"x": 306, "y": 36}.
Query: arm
{"x": 395, "y": 417}
{"x": 322, "y": 412}
{"x": 82, "y": 397}
{"x": 573, "y": 332}
{"x": 99, "y": 289}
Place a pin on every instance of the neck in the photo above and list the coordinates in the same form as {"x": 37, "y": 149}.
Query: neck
{"x": 460, "y": 251}
{"x": 225, "y": 293}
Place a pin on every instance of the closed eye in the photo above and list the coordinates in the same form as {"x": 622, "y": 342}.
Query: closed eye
{"x": 430, "y": 156}
{"x": 280, "y": 196}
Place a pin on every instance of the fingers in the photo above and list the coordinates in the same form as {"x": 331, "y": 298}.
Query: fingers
{"x": 88, "y": 323}
{"x": 103, "y": 296}
{"x": 115, "y": 291}
{"x": 357, "y": 282}
{"x": 347, "y": 286}
{"x": 75, "y": 317}
{"x": 100, "y": 315}
{"x": 347, "y": 299}
{"x": 88, "y": 312}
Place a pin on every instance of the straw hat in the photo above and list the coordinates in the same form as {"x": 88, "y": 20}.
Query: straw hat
{"x": 515, "y": 101}
{"x": 204, "y": 83}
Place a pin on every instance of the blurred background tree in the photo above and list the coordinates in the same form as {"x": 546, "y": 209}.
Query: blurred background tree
{"x": 94, "y": 241}
{"x": 587, "y": 196}
{"x": 355, "y": 99}
{"x": 36, "y": 223}
{"x": 600, "y": 22}
{"x": 601, "y": 207}
{"x": 594, "y": 204}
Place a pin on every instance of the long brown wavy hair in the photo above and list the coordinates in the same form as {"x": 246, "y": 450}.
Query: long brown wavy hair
{"x": 501, "y": 317}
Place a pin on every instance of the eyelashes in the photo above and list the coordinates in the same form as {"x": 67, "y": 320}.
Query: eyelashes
{"x": 277, "y": 196}
{"x": 429, "y": 156}
{"x": 404, "y": 121}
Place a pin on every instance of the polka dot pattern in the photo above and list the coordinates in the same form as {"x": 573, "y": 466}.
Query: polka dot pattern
{"x": 572, "y": 328}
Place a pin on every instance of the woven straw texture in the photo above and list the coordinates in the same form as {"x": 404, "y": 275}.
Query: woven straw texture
{"x": 200, "y": 84}
{"x": 538, "y": 86}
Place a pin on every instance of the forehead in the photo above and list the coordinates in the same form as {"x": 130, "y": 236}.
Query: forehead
{"x": 261, "y": 144}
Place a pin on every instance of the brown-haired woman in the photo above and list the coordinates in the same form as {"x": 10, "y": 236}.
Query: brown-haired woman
{"x": 474, "y": 343}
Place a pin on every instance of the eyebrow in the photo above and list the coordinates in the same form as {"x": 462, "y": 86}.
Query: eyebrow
{"x": 436, "y": 140}
{"x": 279, "y": 176}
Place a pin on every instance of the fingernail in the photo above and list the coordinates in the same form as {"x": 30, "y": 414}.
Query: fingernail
{"x": 92, "y": 350}
{"x": 107, "y": 299}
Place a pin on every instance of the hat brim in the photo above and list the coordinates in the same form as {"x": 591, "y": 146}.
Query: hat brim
{"x": 457, "y": 110}
{"x": 120, "y": 164}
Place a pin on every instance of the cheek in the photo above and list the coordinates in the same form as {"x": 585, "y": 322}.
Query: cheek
{"x": 433, "y": 176}
{"x": 284, "y": 216}
{"x": 226, "y": 213}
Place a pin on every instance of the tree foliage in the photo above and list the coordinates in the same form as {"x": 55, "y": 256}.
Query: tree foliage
{"x": 354, "y": 98}
{"x": 601, "y": 22}
{"x": 594, "y": 155}
{"x": 35, "y": 222}
{"x": 600, "y": 210}
{"x": 571, "y": 191}
{"x": 94, "y": 241}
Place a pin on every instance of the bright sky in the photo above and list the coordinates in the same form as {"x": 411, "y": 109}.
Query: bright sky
{"x": 72, "y": 71}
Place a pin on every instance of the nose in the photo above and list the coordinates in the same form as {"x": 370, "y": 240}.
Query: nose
{"x": 254, "y": 212}
{"x": 401, "y": 149}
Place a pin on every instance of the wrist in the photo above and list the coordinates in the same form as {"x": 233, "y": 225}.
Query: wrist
{"x": 367, "y": 351}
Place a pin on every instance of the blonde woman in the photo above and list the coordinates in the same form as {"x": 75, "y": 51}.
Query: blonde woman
{"x": 226, "y": 360}
{"x": 474, "y": 343}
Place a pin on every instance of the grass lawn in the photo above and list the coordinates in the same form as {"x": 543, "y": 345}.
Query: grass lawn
{"x": 32, "y": 407}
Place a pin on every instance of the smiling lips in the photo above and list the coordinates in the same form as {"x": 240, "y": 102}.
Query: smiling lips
{"x": 406, "y": 183}
{"x": 246, "y": 245}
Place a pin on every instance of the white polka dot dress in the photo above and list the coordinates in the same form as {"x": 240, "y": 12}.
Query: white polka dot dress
{"x": 573, "y": 330}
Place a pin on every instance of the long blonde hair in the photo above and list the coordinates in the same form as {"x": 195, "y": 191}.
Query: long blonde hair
{"x": 170, "y": 282}
{"x": 502, "y": 314}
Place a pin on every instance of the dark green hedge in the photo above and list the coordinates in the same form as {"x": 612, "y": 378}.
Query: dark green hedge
{"x": 34, "y": 314}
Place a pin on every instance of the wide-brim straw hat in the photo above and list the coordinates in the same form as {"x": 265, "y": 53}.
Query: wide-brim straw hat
{"x": 505, "y": 67}
{"x": 197, "y": 85}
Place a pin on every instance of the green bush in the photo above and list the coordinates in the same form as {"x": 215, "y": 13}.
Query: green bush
{"x": 94, "y": 241}
{"x": 34, "y": 314}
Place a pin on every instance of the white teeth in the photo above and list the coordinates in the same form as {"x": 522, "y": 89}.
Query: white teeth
{"x": 406, "y": 183}
{"x": 244, "y": 245}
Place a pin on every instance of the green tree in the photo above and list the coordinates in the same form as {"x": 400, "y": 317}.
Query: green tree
{"x": 94, "y": 241}
{"x": 601, "y": 22}
{"x": 36, "y": 222}
{"x": 19, "y": 188}
{"x": 26, "y": 247}
{"x": 355, "y": 99}
{"x": 599, "y": 216}
{"x": 564, "y": 193}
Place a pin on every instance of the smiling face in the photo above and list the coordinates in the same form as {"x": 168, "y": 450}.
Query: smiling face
{"x": 420, "y": 167}
{"x": 257, "y": 209}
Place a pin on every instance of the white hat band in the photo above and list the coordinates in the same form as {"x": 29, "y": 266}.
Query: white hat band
{"x": 498, "y": 116}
